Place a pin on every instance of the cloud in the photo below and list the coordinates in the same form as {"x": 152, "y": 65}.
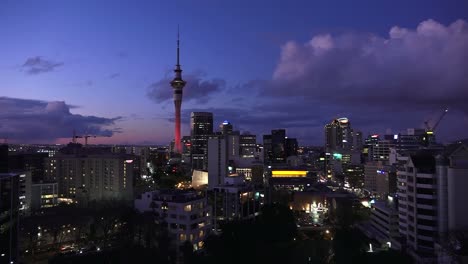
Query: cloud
{"x": 198, "y": 88}
{"x": 38, "y": 65}
{"x": 26, "y": 120}
{"x": 393, "y": 82}
{"x": 418, "y": 68}
{"x": 114, "y": 75}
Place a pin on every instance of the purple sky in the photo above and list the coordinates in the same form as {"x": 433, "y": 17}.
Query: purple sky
{"x": 103, "y": 67}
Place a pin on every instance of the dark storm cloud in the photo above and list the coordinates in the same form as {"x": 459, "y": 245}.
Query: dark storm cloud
{"x": 421, "y": 68}
{"x": 198, "y": 88}
{"x": 36, "y": 120}
{"x": 37, "y": 65}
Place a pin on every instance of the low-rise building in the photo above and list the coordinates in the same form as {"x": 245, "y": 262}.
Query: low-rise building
{"x": 235, "y": 200}
{"x": 186, "y": 213}
{"x": 44, "y": 195}
{"x": 384, "y": 222}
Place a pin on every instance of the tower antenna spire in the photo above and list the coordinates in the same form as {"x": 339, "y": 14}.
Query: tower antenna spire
{"x": 178, "y": 45}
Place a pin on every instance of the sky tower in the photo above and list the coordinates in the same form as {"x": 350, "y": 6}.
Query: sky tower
{"x": 178, "y": 86}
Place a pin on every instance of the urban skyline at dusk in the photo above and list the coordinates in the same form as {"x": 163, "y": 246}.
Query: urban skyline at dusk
{"x": 105, "y": 68}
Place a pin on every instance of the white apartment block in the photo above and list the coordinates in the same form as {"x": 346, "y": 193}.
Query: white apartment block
{"x": 432, "y": 192}
{"x": 92, "y": 177}
{"x": 187, "y": 214}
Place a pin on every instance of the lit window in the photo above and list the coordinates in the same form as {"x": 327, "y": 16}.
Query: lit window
{"x": 188, "y": 208}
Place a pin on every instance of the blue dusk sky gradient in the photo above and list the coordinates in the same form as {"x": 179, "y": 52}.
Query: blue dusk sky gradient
{"x": 103, "y": 67}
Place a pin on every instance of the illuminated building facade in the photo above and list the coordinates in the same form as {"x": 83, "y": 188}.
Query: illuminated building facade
{"x": 201, "y": 128}
{"x": 347, "y": 139}
{"x": 288, "y": 173}
{"x": 187, "y": 214}
{"x": 44, "y": 195}
{"x": 248, "y": 145}
{"x": 178, "y": 85}
{"x": 235, "y": 200}
{"x": 225, "y": 128}
{"x": 92, "y": 177}
{"x": 340, "y": 136}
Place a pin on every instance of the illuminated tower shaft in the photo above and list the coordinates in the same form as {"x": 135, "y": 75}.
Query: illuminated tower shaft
{"x": 178, "y": 86}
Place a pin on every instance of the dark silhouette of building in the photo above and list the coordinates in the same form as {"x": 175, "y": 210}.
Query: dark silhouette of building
{"x": 3, "y": 158}
{"x": 201, "y": 128}
{"x": 291, "y": 147}
{"x": 9, "y": 213}
{"x": 277, "y": 147}
{"x": 267, "y": 149}
{"x": 33, "y": 162}
{"x": 278, "y": 144}
{"x": 226, "y": 128}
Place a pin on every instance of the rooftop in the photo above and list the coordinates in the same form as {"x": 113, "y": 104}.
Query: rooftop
{"x": 177, "y": 196}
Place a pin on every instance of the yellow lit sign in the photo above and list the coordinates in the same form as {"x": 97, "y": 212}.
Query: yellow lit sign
{"x": 429, "y": 132}
{"x": 289, "y": 173}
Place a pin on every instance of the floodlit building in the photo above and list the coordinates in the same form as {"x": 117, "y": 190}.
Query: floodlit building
{"x": 199, "y": 179}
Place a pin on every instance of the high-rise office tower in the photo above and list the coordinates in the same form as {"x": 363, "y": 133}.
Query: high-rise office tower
{"x": 291, "y": 147}
{"x": 333, "y": 135}
{"x": 201, "y": 128}
{"x": 278, "y": 138}
{"x": 339, "y": 135}
{"x": 267, "y": 149}
{"x": 225, "y": 127}
{"x": 357, "y": 140}
{"x": 277, "y": 147}
{"x": 248, "y": 145}
{"x": 347, "y": 138}
{"x": 177, "y": 85}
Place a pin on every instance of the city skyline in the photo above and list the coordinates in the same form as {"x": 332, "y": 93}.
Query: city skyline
{"x": 110, "y": 72}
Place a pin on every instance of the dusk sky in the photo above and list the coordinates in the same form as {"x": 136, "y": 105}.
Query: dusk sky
{"x": 104, "y": 67}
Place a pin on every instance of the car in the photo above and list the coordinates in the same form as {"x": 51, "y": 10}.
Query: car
{"x": 87, "y": 249}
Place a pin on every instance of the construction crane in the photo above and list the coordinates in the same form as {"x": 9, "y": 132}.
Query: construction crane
{"x": 430, "y": 130}
{"x": 85, "y": 137}
{"x": 429, "y": 136}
